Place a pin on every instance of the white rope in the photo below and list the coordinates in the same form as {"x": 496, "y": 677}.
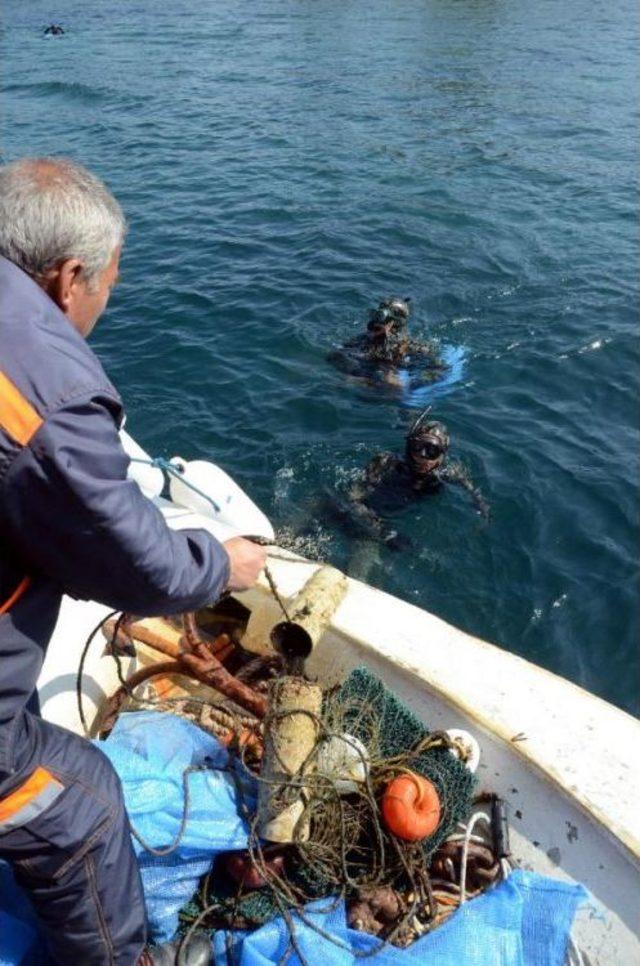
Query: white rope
{"x": 475, "y": 818}
{"x": 460, "y": 837}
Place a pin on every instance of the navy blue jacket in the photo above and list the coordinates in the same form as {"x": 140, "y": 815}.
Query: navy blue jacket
{"x": 70, "y": 520}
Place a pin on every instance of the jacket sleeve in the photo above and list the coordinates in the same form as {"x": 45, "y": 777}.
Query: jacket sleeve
{"x": 74, "y": 516}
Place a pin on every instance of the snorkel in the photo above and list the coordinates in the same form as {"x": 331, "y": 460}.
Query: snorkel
{"x": 426, "y": 445}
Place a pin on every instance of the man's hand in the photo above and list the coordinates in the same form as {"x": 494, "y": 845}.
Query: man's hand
{"x": 246, "y": 559}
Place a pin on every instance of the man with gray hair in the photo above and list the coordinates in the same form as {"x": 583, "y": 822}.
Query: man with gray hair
{"x": 71, "y": 522}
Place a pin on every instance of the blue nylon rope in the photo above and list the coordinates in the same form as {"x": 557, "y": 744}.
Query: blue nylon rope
{"x": 162, "y": 464}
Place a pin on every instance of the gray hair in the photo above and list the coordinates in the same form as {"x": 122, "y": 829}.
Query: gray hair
{"x": 51, "y": 210}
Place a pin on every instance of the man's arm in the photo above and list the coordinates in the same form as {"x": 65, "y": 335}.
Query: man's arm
{"x": 374, "y": 474}
{"x": 372, "y": 525}
{"x": 73, "y": 515}
{"x": 350, "y": 365}
{"x": 382, "y": 465}
{"x": 457, "y": 474}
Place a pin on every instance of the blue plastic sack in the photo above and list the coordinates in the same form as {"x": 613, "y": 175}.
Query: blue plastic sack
{"x": 524, "y": 921}
{"x": 421, "y": 395}
{"x": 150, "y": 751}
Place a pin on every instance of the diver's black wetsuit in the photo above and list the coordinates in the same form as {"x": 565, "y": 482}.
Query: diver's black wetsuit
{"x": 365, "y": 358}
{"x": 389, "y": 484}
{"x": 385, "y": 349}
{"x": 54, "y": 29}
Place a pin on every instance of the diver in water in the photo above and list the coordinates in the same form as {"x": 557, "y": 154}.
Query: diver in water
{"x": 54, "y": 30}
{"x": 391, "y": 481}
{"x": 385, "y": 347}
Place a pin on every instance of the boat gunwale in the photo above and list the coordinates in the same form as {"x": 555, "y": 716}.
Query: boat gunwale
{"x": 625, "y": 838}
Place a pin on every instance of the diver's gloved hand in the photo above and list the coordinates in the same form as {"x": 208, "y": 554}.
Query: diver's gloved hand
{"x": 196, "y": 951}
{"x": 397, "y": 541}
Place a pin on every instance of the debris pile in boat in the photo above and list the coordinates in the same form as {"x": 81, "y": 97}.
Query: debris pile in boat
{"x": 356, "y": 798}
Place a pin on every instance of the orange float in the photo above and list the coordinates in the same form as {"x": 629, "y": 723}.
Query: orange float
{"x": 411, "y": 807}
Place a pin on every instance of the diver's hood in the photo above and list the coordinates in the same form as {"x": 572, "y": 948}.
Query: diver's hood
{"x": 433, "y": 433}
{"x": 399, "y": 308}
{"x": 390, "y": 310}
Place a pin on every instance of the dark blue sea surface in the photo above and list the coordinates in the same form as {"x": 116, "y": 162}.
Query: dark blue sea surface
{"x": 286, "y": 164}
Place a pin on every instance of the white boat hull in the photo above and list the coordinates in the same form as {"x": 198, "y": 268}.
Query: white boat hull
{"x": 562, "y": 758}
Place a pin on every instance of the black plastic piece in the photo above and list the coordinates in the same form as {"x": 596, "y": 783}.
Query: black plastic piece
{"x": 500, "y": 827}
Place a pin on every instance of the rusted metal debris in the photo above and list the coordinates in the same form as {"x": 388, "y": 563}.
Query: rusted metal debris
{"x": 376, "y": 910}
{"x": 202, "y": 665}
{"x": 191, "y": 655}
{"x": 114, "y": 704}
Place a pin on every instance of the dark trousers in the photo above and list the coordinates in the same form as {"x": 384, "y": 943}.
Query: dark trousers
{"x": 76, "y": 860}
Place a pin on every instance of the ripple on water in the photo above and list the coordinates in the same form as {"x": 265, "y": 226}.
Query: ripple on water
{"x": 71, "y": 91}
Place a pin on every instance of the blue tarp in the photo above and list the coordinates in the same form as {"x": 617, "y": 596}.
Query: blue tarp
{"x": 417, "y": 395}
{"x": 19, "y": 943}
{"x": 150, "y": 752}
{"x": 525, "y": 921}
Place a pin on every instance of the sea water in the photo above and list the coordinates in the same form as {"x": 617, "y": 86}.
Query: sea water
{"x": 286, "y": 164}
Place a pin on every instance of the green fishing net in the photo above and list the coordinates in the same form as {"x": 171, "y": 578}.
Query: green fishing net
{"x": 348, "y": 844}
{"x": 388, "y": 728}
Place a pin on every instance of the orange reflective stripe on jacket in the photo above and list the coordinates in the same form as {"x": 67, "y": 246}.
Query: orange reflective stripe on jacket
{"x": 18, "y": 418}
{"x": 29, "y": 800}
{"x": 20, "y": 421}
{"x": 16, "y": 595}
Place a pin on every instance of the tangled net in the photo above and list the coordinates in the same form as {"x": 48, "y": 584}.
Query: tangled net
{"x": 349, "y": 853}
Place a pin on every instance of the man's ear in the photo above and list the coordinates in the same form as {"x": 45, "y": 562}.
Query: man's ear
{"x": 61, "y": 284}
